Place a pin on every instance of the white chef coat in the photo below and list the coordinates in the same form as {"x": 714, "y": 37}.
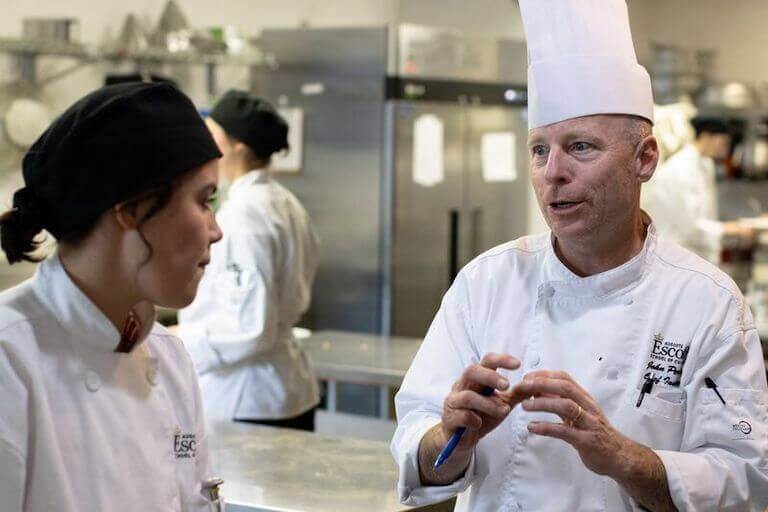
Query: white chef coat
{"x": 682, "y": 199}
{"x": 83, "y": 428}
{"x": 257, "y": 286}
{"x": 607, "y": 331}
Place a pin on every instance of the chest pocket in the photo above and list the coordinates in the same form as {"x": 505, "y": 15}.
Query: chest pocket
{"x": 668, "y": 405}
{"x": 659, "y": 421}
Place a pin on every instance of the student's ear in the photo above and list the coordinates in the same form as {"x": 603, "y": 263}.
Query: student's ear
{"x": 240, "y": 148}
{"x": 126, "y": 216}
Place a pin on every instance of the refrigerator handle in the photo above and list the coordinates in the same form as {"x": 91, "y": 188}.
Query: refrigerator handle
{"x": 477, "y": 232}
{"x": 453, "y": 245}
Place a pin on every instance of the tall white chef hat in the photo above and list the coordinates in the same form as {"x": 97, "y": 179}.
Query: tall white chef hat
{"x": 581, "y": 61}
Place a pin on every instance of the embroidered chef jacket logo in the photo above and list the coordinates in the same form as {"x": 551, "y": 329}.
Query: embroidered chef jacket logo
{"x": 237, "y": 271}
{"x": 666, "y": 362}
{"x": 742, "y": 429}
{"x": 184, "y": 445}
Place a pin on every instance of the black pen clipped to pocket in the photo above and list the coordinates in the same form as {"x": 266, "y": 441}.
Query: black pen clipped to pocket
{"x": 647, "y": 386}
{"x": 711, "y": 385}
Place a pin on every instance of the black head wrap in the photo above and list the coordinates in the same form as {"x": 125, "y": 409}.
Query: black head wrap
{"x": 702, "y": 124}
{"x": 110, "y": 146}
{"x": 252, "y": 121}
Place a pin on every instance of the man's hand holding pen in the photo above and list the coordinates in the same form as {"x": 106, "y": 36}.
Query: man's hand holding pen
{"x": 466, "y": 406}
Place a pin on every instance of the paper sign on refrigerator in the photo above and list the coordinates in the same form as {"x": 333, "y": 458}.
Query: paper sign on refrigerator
{"x": 428, "y": 168}
{"x": 291, "y": 161}
{"x": 498, "y": 157}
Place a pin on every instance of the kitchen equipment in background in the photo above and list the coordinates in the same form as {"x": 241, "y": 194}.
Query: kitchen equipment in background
{"x": 52, "y": 30}
{"x": 414, "y": 162}
{"x": 729, "y": 95}
{"x": 132, "y": 38}
{"x": 25, "y": 120}
{"x": 754, "y": 150}
{"x": 678, "y": 72}
{"x": 25, "y": 112}
{"x": 172, "y": 32}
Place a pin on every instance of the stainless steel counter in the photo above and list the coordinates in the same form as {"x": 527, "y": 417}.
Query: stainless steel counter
{"x": 382, "y": 361}
{"x": 273, "y": 469}
{"x": 361, "y": 358}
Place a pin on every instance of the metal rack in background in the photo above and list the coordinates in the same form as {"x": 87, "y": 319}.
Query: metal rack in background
{"x": 27, "y": 52}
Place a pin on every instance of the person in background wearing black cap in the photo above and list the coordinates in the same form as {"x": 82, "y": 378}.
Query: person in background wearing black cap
{"x": 682, "y": 196}
{"x": 100, "y": 404}
{"x": 239, "y": 328}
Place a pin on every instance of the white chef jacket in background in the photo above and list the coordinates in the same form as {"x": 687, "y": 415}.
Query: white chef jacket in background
{"x": 84, "y": 428}
{"x": 256, "y": 288}
{"x": 682, "y": 199}
{"x": 521, "y": 300}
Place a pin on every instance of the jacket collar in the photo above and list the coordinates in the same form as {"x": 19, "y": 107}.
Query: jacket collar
{"x": 611, "y": 282}
{"x": 76, "y": 312}
{"x": 250, "y": 178}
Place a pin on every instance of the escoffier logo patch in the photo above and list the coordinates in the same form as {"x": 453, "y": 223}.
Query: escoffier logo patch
{"x": 184, "y": 444}
{"x": 665, "y": 365}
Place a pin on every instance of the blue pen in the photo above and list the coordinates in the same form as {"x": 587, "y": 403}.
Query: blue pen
{"x": 456, "y": 437}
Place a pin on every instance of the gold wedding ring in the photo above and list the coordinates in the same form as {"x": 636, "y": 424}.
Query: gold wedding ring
{"x": 576, "y": 418}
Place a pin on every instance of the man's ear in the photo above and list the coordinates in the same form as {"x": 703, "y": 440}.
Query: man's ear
{"x": 647, "y": 158}
{"x": 126, "y": 216}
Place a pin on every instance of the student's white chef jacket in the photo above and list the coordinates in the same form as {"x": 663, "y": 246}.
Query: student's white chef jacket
{"x": 258, "y": 285}
{"x": 666, "y": 314}
{"x": 83, "y": 428}
{"x": 682, "y": 199}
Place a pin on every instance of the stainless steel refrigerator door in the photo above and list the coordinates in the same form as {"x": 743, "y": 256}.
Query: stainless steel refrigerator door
{"x": 335, "y": 76}
{"x": 424, "y": 217}
{"x": 497, "y": 181}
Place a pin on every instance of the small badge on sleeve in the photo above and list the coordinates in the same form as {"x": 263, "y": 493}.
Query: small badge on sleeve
{"x": 741, "y": 429}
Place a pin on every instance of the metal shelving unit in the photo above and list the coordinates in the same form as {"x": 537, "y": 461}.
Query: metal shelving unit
{"x": 28, "y": 51}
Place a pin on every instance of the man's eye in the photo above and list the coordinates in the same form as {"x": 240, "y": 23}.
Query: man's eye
{"x": 538, "y": 150}
{"x": 581, "y": 146}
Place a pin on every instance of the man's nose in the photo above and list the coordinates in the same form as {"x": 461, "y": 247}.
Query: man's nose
{"x": 557, "y": 170}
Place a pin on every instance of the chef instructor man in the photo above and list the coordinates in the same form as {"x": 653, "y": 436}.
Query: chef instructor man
{"x": 636, "y": 372}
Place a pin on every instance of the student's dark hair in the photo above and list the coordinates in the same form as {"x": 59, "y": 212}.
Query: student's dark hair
{"x": 19, "y": 230}
{"x": 21, "y": 226}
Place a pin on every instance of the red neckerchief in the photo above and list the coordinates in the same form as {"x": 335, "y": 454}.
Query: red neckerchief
{"x": 130, "y": 334}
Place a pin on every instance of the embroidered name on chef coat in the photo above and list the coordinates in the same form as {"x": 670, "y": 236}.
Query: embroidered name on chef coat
{"x": 665, "y": 364}
{"x": 185, "y": 445}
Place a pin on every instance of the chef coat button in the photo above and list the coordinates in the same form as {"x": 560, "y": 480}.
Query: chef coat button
{"x": 92, "y": 381}
{"x": 534, "y": 359}
{"x": 629, "y": 301}
{"x": 549, "y": 291}
{"x": 613, "y": 373}
{"x": 152, "y": 376}
{"x": 522, "y": 434}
